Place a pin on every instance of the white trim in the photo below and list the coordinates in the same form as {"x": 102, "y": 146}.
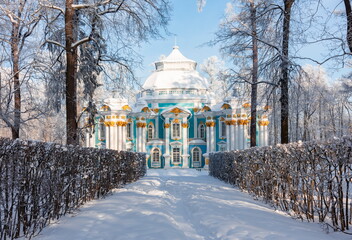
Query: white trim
{"x": 152, "y": 157}
{"x": 199, "y": 163}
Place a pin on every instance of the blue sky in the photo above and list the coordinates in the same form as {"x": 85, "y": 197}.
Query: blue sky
{"x": 194, "y": 29}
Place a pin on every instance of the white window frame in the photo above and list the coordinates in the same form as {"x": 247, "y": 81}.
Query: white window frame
{"x": 173, "y": 155}
{"x": 102, "y": 131}
{"x": 222, "y": 129}
{"x": 199, "y": 131}
{"x": 173, "y": 132}
{"x": 150, "y": 134}
{"x": 154, "y": 162}
{"x": 129, "y": 130}
{"x": 197, "y": 163}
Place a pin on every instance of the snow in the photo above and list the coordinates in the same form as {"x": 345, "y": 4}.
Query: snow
{"x": 181, "y": 204}
{"x": 175, "y": 71}
{"x": 179, "y": 79}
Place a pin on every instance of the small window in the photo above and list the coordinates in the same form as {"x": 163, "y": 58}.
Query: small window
{"x": 196, "y": 155}
{"x": 150, "y": 132}
{"x": 101, "y": 131}
{"x": 156, "y": 155}
{"x": 176, "y": 157}
{"x": 202, "y": 131}
{"x": 223, "y": 129}
{"x": 128, "y": 129}
{"x": 176, "y": 130}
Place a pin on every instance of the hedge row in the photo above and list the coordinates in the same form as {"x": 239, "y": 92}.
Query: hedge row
{"x": 40, "y": 181}
{"x": 311, "y": 180}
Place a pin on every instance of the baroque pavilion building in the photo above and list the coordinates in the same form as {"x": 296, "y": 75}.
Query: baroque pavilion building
{"x": 175, "y": 120}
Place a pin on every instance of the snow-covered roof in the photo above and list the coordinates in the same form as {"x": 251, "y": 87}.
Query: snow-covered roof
{"x": 175, "y": 71}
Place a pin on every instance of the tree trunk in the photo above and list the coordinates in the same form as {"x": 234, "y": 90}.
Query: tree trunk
{"x": 253, "y": 127}
{"x": 71, "y": 58}
{"x": 349, "y": 23}
{"x": 285, "y": 71}
{"x": 15, "y": 128}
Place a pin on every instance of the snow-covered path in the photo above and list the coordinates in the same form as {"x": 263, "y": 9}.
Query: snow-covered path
{"x": 181, "y": 204}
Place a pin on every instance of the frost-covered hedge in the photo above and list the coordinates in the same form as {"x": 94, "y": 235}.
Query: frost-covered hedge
{"x": 311, "y": 180}
{"x": 40, "y": 181}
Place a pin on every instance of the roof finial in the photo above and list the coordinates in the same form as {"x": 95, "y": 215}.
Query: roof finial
{"x": 175, "y": 45}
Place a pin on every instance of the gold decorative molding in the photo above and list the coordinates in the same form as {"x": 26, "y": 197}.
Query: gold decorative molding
{"x": 228, "y": 116}
{"x": 141, "y": 124}
{"x": 263, "y": 123}
{"x": 129, "y": 120}
{"x": 206, "y": 109}
{"x": 109, "y": 123}
{"x": 121, "y": 123}
{"x": 126, "y": 108}
{"x": 156, "y": 110}
{"x": 196, "y": 109}
{"x": 226, "y": 106}
{"x": 210, "y": 124}
{"x": 185, "y": 125}
{"x": 243, "y": 122}
{"x": 176, "y": 111}
{"x": 167, "y": 125}
{"x": 267, "y": 107}
{"x": 142, "y": 118}
{"x": 123, "y": 117}
{"x": 230, "y": 122}
{"x": 176, "y": 120}
{"x": 105, "y": 108}
{"x": 208, "y": 118}
{"x": 145, "y": 109}
{"x": 222, "y": 119}
{"x": 246, "y": 105}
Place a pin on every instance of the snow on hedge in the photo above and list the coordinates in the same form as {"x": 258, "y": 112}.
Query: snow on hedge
{"x": 43, "y": 181}
{"x": 311, "y": 180}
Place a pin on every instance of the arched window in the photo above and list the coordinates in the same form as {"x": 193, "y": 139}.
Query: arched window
{"x": 176, "y": 130}
{"x": 150, "y": 131}
{"x": 156, "y": 155}
{"x": 223, "y": 129}
{"x": 101, "y": 130}
{"x": 201, "y": 131}
{"x": 176, "y": 156}
{"x": 129, "y": 131}
{"x": 196, "y": 157}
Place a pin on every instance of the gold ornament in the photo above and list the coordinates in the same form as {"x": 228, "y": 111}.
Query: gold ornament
{"x": 185, "y": 125}
{"x": 167, "y": 125}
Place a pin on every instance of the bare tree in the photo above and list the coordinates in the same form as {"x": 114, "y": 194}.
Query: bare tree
{"x": 18, "y": 19}
{"x": 75, "y": 26}
{"x": 242, "y": 33}
{"x": 349, "y": 23}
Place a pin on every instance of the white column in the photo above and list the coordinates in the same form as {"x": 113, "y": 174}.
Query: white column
{"x": 213, "y": 137}
{"x": 228, "y": 137}
{"x": 241, "y": 136}
{"x": 167, "y": 143}
{"x": 118, "y": 139}
{"x": 87, "y": 139}
{"x": 185, "y": 142}
{"x": 208, "y": 138}
{"x": 107, "y": 136}
{"x": 92, "y": 140}
{"x": 233, "y": 134}
{"x": 113, "y": 137}
{"x": 245, "y": 131}
{"x": 139, "y": 144}
{"x": 157, "y": 127}
{"x": 195, "y": 129}
{"x": 124, "y": 137}
{"x": 144, "y": 138}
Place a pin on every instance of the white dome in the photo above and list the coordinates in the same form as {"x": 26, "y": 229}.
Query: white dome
{"x": 175, "y": 71}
